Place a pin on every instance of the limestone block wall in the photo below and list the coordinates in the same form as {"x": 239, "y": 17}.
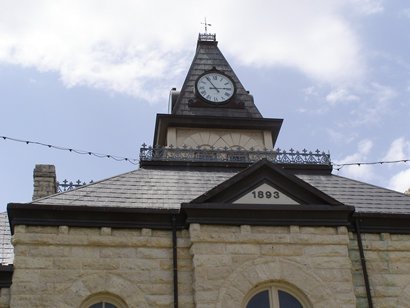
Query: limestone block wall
{"x": 230, "y": 261}
{"x": 62, "y": 266}
{"x": 4, "y": 298}
{"x": 388, "y": 265}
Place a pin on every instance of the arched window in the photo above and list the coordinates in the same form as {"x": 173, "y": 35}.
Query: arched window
{"x": 103, "y": 301}
{"x": 276, "y": 296}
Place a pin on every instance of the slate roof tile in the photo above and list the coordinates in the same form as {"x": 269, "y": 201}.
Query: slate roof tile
{"x": 144, "y": 188}
{"x": 206, "y": 57}
{"x": 167, "y": 189}
{"x": 366, "y": 198}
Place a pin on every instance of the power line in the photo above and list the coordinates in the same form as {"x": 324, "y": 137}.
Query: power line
{"x": 340, "y": 166}
{"x": 134, "y": 161}
{"x": 82, "y": 152}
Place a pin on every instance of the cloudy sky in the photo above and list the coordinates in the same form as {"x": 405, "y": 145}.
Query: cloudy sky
{"x": 91, "y": 75}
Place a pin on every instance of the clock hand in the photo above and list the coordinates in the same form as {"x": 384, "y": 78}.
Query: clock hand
{"x": 209, "y": 79}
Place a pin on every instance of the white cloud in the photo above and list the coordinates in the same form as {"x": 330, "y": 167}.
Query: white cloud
{"x": 400, "y": 181}
{"x": 341, "y": 136}
{"x": 398, "y": 150}
{"x": 312, "y": 37}
{"x": 383, "y": 93}
{"x": 141, "y": 47}
{"x": 119, "y": 47}
{"x": 359, "y": 172}
{"x": 378, "y": 104}
{"x": 367, "y": 7}
{"x": 341, "y": 95}
{"x": 312, "y": 91}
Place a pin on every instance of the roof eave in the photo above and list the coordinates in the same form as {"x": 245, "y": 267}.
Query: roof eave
{"x": 91, "y": 216}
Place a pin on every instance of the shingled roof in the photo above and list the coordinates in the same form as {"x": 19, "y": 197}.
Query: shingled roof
{"x": 165, "y": 188}
{"x": 143, "y": 188}
{"x": 366, "y": 198}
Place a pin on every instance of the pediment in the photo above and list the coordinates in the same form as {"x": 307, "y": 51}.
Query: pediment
{"x": 266, "y": 183}
{"x": 265, "y": 194}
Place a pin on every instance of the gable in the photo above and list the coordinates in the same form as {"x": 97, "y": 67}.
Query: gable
{"x": 265, "y": 194}
{"x": 266, "y": 183}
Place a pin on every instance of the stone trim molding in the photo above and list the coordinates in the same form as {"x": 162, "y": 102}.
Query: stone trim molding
{"x": 275, "y": 287}
{"x": 88, "y": 216}
{"x": 382, "y": 223}
{"x": 103, "y": 283}
{"x": 269, "y": 270}
{"x": 267, "y": 215}
{"x": 205, "y": 213}
{"x": 105, "y": 298}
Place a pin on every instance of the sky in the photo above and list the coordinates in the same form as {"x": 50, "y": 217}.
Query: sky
{"x": 92, "y": 75}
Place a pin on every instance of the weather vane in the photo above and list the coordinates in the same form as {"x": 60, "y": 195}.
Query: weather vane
{"x": 206, "y": 25}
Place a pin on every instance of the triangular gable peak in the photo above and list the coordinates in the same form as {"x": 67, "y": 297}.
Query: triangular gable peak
{"x": 266, "y": 183}
{"x": 265, "y": 193}
{"x": 208, "y": 58}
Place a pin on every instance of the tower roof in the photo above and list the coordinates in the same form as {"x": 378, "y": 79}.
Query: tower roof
{"x": 208, "y": 57}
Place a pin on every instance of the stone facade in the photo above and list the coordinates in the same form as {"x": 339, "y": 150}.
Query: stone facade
{"x": 218, "y": 266}
{"x": 231, "y": 261}
{"x": 62, "y": 266}
{"x": 388, "y": 263}
{"x": 4, "y": 297}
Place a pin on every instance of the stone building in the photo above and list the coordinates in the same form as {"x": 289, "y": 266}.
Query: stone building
{"x": 214, "y": 217}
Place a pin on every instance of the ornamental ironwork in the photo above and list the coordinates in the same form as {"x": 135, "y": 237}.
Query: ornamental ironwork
{"x": 236, "y": 154}
{"x": 207, "y": 37}
{"x": 68, "y": 185}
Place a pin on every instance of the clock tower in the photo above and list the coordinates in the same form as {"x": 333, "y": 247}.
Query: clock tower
{"x": 213, "y": 112}
{"x": 214, "y": 217}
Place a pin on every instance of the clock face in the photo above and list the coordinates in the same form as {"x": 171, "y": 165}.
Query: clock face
{"x": 215, "y": 88}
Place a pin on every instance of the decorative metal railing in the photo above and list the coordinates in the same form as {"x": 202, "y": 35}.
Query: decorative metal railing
{"x": 160, "y": 153}
{"x": 66, "y": 185}
{"x": 208, "y": 37}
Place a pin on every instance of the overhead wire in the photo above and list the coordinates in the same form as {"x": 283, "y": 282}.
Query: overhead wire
{"x": 340, "y": 166}
{"x": 133, "y": 161}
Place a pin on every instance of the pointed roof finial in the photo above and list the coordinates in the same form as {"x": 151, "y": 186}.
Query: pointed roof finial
{"x": 206, "y": 25}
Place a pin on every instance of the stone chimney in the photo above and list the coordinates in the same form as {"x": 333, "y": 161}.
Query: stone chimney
{"x": 44, "y": 181}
